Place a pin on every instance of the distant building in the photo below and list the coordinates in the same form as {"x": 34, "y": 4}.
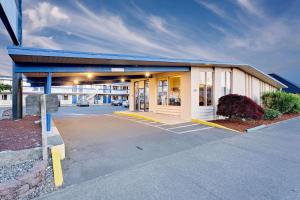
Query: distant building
{"x": 291, "y": 87}
{"x": 70, "y": 95}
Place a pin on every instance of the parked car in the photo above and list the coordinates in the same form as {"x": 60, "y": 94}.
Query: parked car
{"x": 83, "y": 103}
{"x": 126, "y": 104}
{"x": 117, "y": 102}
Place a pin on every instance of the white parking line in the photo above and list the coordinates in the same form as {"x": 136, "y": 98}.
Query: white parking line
{"x": 159, "y": 126}
{"x": 199, "y": 129}
{"x": 140, "y": 122}
{"x": 182, "y": 126}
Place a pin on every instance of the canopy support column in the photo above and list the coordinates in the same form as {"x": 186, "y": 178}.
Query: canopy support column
{"x": 48, "y": 91}
{"x": 17, "y": 94}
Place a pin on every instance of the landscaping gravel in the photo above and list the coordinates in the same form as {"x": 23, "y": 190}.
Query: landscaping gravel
{"x": 10, "y": 172}
{"x": 48, "y": 183}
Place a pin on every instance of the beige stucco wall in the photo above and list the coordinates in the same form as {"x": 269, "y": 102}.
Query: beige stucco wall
{"x": 246, "y": 84}
{"x": 184, "y": 111}
{"x": 238, "y": 82}
{"x": 241, "y": 83}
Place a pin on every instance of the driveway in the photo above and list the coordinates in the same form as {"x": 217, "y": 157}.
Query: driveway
{"x": 110, "y": 157}
{"x": 74, "y": 111}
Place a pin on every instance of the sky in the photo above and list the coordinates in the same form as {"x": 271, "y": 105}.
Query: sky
{"x": 262, "y": 33}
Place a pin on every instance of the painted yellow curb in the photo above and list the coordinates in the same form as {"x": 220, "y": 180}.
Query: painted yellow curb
{"x": 57, "y": 170}
{"x": 213, "y": 125}
{"x": 136, "y": 116}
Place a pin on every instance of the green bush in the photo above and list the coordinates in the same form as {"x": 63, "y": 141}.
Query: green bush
{"x": 271, "y": 114}
{"x": 282, "y": 102}
{"x": 4, "y": 87}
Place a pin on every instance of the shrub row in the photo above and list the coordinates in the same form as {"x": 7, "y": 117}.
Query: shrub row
{"x": 271, "y": 114}
{"x": 281, "y": 101}
{"x": 275, "y": 104}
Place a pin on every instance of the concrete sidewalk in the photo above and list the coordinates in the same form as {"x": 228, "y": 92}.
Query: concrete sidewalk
{"x": 259, "y": 165}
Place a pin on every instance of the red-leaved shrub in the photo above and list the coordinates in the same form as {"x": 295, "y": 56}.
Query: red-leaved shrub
{"x": 238, "y": 106}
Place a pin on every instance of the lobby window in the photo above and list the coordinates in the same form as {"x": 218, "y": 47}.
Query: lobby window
{"x": 225, "y": 83}
{"x": 174, "y": 92}
{"x": 162, "y": 98}
{"x": 206, "y": 89}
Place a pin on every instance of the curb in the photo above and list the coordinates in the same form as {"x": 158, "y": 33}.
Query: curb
{"x": 57, "y": 170}
{"x": 136, "y": 116}
{"x": 56, "y": 141}
{"x": 213, "y": 125}
{"x": 255, "y": 128}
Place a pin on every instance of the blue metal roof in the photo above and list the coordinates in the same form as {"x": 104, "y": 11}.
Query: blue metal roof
{"x": 29, "y": 52}
{"x": 291, "y": 87}
{"x": 34, "y": 60}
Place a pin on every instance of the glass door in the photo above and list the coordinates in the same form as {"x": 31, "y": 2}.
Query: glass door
{"x": 141, "y": 99}
{"x": 141, "y": 95}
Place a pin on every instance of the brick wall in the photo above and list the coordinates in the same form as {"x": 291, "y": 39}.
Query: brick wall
{"x": 24, "y": 185}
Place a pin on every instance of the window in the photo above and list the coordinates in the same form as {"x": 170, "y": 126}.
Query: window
{"x": 66, "y": 97}
{"x": 4, "y": 97}
{"x": 206, "y": 89}
{"x": 162, "y": 92}
{"x": 35, "y": 89}
{"x": 174, "y": 92}
{"x": 225, "y": 83}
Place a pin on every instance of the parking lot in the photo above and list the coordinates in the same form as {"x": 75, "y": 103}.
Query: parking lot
{"x": 97, "y": 145}
{"x": 115, "y": 157}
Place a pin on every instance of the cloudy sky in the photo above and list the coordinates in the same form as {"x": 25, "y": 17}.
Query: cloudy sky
{"x": 263, "y": 33}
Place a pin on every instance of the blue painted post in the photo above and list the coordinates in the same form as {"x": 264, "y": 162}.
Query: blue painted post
{"x": 17, "y": 89}
{"x": 48, "y": 91}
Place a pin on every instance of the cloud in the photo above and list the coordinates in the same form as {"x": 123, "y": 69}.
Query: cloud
{"x": 250, "y": 7}
{"x": 245, "y": 31}
{"x": 45, "y": 14}
{"x": 159, "y": 24}
{"x": 213, "y": 8}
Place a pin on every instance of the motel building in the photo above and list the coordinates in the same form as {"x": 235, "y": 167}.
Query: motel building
{"x": 95, "y": 94}
{"x": 183, "y": 88}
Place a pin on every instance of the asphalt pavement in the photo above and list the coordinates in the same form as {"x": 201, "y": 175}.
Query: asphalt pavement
{"x": 110, "y": 157}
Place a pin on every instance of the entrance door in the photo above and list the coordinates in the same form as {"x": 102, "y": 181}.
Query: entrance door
{"x": 141, "y": 95}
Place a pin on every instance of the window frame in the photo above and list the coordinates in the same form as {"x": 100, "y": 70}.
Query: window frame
{"x": 205, "y": 85}
{"x": 66, "y": 96}
{"x": 169, "y": 90}
{"x": 167, "y": 79}
{"x": 162, "y": 87}
{"x": 224, "y": 90}
{"x": 4, "y": 97}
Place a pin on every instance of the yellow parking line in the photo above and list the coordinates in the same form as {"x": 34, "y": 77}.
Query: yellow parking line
{"x": 212, "y": 124}
{"x": 57, "y": 170}
{"x": 137, "y": 116}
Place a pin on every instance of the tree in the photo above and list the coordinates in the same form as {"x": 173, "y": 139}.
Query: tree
{"x": 4, "y": 87}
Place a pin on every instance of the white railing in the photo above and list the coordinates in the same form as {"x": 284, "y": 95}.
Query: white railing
{"x": 69, "y": 90}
